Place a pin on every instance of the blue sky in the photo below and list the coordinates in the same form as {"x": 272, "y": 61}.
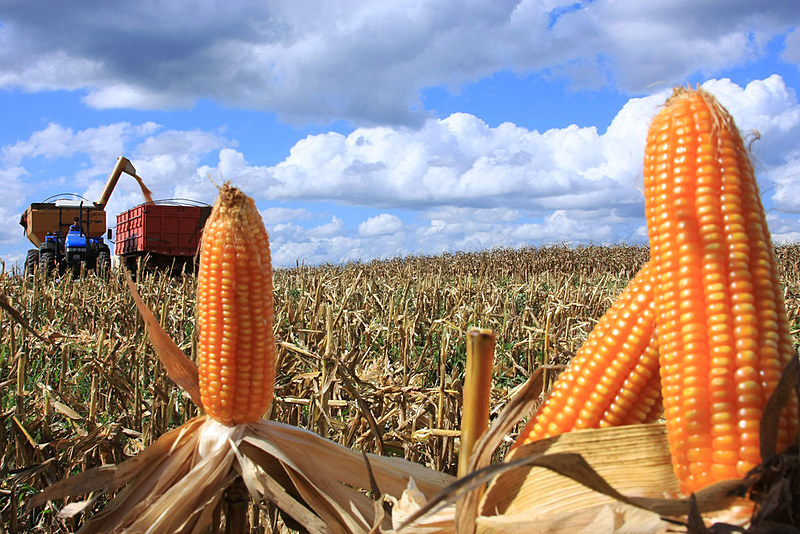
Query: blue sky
{"x": 375, "y": 129}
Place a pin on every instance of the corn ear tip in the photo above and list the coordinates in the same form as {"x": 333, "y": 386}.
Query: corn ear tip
{"x": 230, "y": 195}
{"x": 720, "y": 115}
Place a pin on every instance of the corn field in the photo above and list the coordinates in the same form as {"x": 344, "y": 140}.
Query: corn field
{"x": 369, "y": 355}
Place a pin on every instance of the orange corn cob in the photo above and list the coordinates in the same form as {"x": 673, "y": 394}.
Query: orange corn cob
{"x": 613, "y": 378}
{"x": 236, "y": 349}
{"x": 723, "y": 331}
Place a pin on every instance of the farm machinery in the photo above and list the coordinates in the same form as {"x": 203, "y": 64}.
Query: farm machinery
{"x": 161, "y": 235}
{"x": 70, "y": 232}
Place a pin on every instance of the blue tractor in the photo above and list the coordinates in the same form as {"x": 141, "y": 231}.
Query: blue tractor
{"x": 73, "y": 249}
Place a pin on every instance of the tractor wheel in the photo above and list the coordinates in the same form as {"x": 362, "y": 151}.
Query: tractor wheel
{"x": 47, "y": 261}
{"x": 31, "y": 262}
{"x": 103, "y": 264}
{"x": 130, "y": 264}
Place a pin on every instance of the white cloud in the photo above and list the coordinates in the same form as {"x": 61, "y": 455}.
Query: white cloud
{"x": 460, "y": 161}
{"x": 312, "y": 250}
{"x": 328, "y": 230}
{"x": 11, "y": 208}
{"x": 118, "y": 95}
{"x": 57, "y": 141}
{"x": 470, "y": 185}
{"x": 484, "y": 215}
{"x": 783, "y": 229}
{"x": 786, "y": 192}
{"x": 382, "y": 224}
{"x": 312, "y": 60}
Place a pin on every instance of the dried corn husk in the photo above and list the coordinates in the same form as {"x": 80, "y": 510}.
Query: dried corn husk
{"x": 601, "y": 480}
{"x": 628, "y": 487}
{"x": 606, "y": 480}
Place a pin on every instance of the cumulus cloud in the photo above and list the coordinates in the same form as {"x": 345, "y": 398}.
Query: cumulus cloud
{"x": 453, "y": 184}
{"x": 383, "y": 224}
{"x": 783, "y": 229}
{"x": 312, "y": 60}
{"x": 791, "y": 52}
{"x": 460, "y": 160}
{"x": 459, "y": 184}
{"x": 328, "y": 230}
{"x": 291, "y": 244}
{"x": 56, "y": 141}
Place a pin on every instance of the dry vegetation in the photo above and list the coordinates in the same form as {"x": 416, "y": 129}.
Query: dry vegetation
{"x": 360, "y": 356}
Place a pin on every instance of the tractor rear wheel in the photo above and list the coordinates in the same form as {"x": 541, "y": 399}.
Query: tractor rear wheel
{"x": 47, "y": 261}
{"x": 31, "y": 262}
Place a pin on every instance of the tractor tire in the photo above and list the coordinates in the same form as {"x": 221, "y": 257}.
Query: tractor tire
{"x": 103, "y": 263}
{"x": 47, "y": 261}
{"x": 130, "y": 264}
{"x": 31, "y": 262}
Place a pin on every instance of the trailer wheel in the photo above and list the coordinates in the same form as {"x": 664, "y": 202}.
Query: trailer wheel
{"x": 130, "y": 263}
{"x": 47, "y": 261}
{"x": 31, "y": 262}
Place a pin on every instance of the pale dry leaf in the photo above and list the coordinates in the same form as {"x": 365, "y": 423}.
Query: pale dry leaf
{"x": 74, "y": 508}
{"x": 634, "y": 460}
{"x": 607, "y": 519}
{"x": 149, "y": 484}
{"x": 205, "y": 482}
{"x": 66, "y": 410}
{"x": 346, "y": 465}
{"x": 628, "y": 465}
{"x": 411, "y": 501}
{"x": 261, "y": 482}
{"x": 342, "y": 508}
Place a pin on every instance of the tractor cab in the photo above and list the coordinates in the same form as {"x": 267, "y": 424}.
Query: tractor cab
{"x": 76, "y": 244}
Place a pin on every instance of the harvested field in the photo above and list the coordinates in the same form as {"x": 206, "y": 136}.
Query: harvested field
{"x": 369, "y": 355}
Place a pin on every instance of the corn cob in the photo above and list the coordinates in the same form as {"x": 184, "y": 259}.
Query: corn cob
{"x": 723, "y": 332}
{"x": 236, "y": 349}
{"x": 613, "y": 378}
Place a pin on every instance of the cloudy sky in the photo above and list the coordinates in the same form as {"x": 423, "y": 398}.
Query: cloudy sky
{"x": 372, "y": 129}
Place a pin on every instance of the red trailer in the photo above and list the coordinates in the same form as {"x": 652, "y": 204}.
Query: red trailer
{"x": 163, "y": 234}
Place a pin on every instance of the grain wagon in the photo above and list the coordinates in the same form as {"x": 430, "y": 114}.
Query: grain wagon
{"x": 161, "y": 234}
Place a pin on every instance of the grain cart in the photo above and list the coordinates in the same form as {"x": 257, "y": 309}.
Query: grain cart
{"x": 163, "y": 234}
{"x": 69, "y": 231}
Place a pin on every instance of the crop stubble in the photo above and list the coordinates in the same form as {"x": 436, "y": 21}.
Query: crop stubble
{"x": 369, "y": 355}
